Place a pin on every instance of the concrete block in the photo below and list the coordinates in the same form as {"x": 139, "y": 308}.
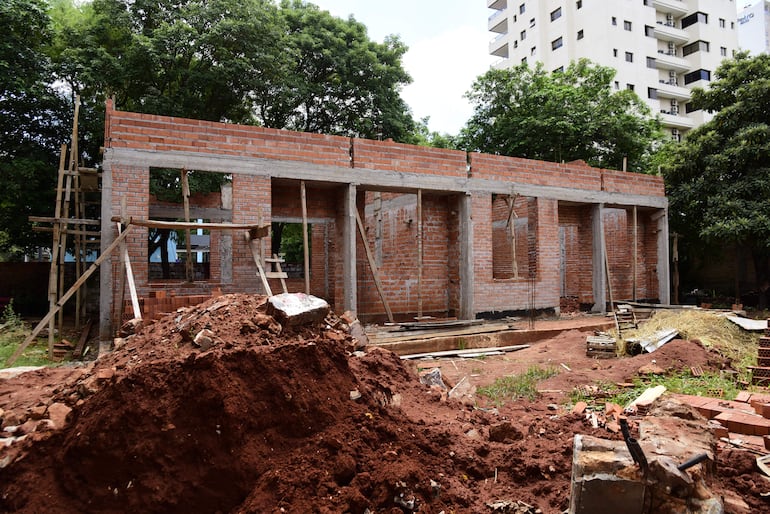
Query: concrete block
{"x": 292, "y": 309}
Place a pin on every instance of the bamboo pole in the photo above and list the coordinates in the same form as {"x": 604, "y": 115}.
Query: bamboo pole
{"x": 305, "y": 244}
{"x": 66, "y": 296}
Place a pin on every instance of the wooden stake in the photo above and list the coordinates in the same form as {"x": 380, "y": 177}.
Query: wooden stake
{"x": 373, "y": 266}
{"x": 130, "y": 278}
{"x": 607, "y": 270}
{"x": 188, "y": 266}
{"x": 53, "y": 280}
{"x": 254, "y": 246}
{"x": 66, "y": 296}
{"x": 511, "y": 224}
{"x": 305, "y": 245}
{"x": 419, "y": 253}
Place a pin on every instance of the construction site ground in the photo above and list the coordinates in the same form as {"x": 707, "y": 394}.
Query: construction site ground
{"x": 270, "y": 418}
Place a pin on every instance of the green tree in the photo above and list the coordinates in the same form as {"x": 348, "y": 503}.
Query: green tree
{"x": 32, "y": 124}
{"x": 718, "y": 179}
{"x": 560, "y": 116}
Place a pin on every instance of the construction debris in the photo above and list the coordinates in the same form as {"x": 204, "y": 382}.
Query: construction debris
{"x": 658, "y": 339}
{"x": 601, "y": 346}
{"x": 292, "y": 309}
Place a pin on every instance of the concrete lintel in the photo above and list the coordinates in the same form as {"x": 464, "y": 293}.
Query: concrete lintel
{"x": 367, "y": 179}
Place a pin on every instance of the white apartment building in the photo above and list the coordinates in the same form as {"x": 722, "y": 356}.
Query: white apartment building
{"x": 754, "y": 28}
{"x": 660, "y": 48}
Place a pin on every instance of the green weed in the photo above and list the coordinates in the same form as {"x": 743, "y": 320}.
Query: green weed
{"x": 513, "y": 387}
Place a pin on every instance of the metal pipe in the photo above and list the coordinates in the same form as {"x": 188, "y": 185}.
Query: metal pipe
{"x": 693, "y": 461}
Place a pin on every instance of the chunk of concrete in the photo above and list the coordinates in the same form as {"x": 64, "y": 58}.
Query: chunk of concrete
{"x": 293, "y": 309}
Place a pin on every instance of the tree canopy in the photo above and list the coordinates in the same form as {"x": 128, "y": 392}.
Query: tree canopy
{"x": 718, "y": 179}
{"x": 560, "y": 116}
{"x": 32, "y": 123}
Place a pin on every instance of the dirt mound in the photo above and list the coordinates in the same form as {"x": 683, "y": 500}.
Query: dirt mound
{"x": 262, "y": 418}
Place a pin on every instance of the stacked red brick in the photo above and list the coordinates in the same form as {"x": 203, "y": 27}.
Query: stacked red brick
{"x": 760, "y": 374}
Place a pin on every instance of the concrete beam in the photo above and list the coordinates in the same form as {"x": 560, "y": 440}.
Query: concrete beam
{"x": 349, "y": 231}
{"x": 467, "y": 285}
{"x": 367, "y": 179}
{"x": 599, "y": 274}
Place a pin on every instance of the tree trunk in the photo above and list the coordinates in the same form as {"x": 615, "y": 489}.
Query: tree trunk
{"x": 762, "y": 273}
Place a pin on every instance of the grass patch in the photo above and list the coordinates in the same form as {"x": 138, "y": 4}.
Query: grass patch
{"x": 513, "y": 387}
{"x": 709, "y": 384}
{"x": 13, "y": 332}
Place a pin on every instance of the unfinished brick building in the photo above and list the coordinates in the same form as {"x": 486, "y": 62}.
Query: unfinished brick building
{"x": 490, "y": 234}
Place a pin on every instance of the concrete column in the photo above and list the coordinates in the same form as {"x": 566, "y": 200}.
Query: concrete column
{"x": 105, "y": 271}
{"x": 349, "y": 231}
{"x": 664, "y": 289}
{"x": 599, "y": 275}
{"x": 226, "y": 239}
{"x": 467, "y": 283}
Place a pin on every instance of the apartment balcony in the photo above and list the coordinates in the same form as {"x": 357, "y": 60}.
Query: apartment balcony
{"x": 667, "y": 61}
{"x": 499, "y": 46}
{"x": 498, "y": 22}
{"x": 675, "y": 7}
{"x": 497, "y": 4}
{"x": 669, "y": 120}
{"x": 665, "y": 32}
{"x": 671, "y": 90}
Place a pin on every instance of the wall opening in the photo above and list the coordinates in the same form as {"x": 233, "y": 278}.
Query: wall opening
{"x": 287, "y": 242}
{"x": 510, "y": 237}
{"x": 167, "y": 253}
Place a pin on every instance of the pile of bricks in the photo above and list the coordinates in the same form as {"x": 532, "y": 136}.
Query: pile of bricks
{"x": 158, "y": 303}
{"x": 760, "y": 374}
{"x": 746, "y": 419}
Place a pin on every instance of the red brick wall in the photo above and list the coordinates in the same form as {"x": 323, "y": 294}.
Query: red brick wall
{"x": 255, "y": 200}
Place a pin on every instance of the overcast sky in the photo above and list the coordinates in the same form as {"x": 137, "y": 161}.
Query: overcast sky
{"x": 448, "y": 48}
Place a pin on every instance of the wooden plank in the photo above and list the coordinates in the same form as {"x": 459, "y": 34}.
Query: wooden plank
{"x": 636, "y": 250}
{"x": 67, "y": 221}
{"x": 383, "y": 339}
{"x": 280, "y": 273}
{"x": 130, "y": 279}
{"x": 607, "y": 270}
{"x": 373, "y": 266}
{"x": 258, "y": 230}
{"x": 470, "y": 351}
{"x": 432, "y": 325}
{"x": 511, "y": 224}
{"x": 305, "y": 244}
{"x": 83, "y": 338}
{"x": 254, "y": 246}
{"x": 60, "y": 303}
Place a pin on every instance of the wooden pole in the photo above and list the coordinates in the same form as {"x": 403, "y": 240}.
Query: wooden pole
{"x": 66, "y": 296}
{"x": 255, "y": 252}
{"x": 305, "y": 244}
{"x": 419, "y": 253}
{"x": 53, "y": 277}
{"x": 130, "y": 278}
{"x": 607, "y": 270}
{"x": 373, "y": 267}
{"x": 636, "y": 251}
{"x": 511, "y": 223}
{"x": 188, "y": 266}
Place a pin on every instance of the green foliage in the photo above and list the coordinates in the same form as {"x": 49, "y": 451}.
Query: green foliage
{"x": 32, "y": 124}
{"x": 718, "y": 179}
{"x": 423, "y": 136}
{"x": 560, "y": 116}
{"x": 682, "y": 383}
{"x": 13, "y": 332}
{"x": 513, "y": 387}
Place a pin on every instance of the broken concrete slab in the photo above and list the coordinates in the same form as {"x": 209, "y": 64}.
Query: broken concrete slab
{"x": 293, "y": 309}
{"x": 9, "y": 373}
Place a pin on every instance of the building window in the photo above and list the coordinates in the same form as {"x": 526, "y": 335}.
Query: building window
{"x": 580, "y": 34}
{"x": 649, "y": 31}
{"x": 696, "y": 17}
{"x": 614, "y": 52}
{"x": 627, "y": 25}
{"x": 630, "y": 87}
{"x": 629, "y": 57}
{"x": 722, "y": 23}
{"x": 697, "y": 46}
{"x": 614, "y": 20}
{"x": 516, "y": 43}
{"x": 579, "y": 4}
{"x": 675, "y": 135}
{"x": 732, "y": 24}
{"x": 617, "y": 85}
{"x": 532, "y": 50}
{"x": 560, "y": 69}
{"x": 697, "y": 75}
{"x": 556, "y": 43}
{"x": 723, "y": 51}
{"x": 523, "y": 60}
{"x": 523, "y": 35}
{"x": 515, "y": 18}
{"x": 555, "y": 15}
{"x": 651, "y": 63}
{"x": 522, "y": 8}
{"x": 532, "y": 22}
{"x": 652, "y": 93}
{"x": 690, "y": 107}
